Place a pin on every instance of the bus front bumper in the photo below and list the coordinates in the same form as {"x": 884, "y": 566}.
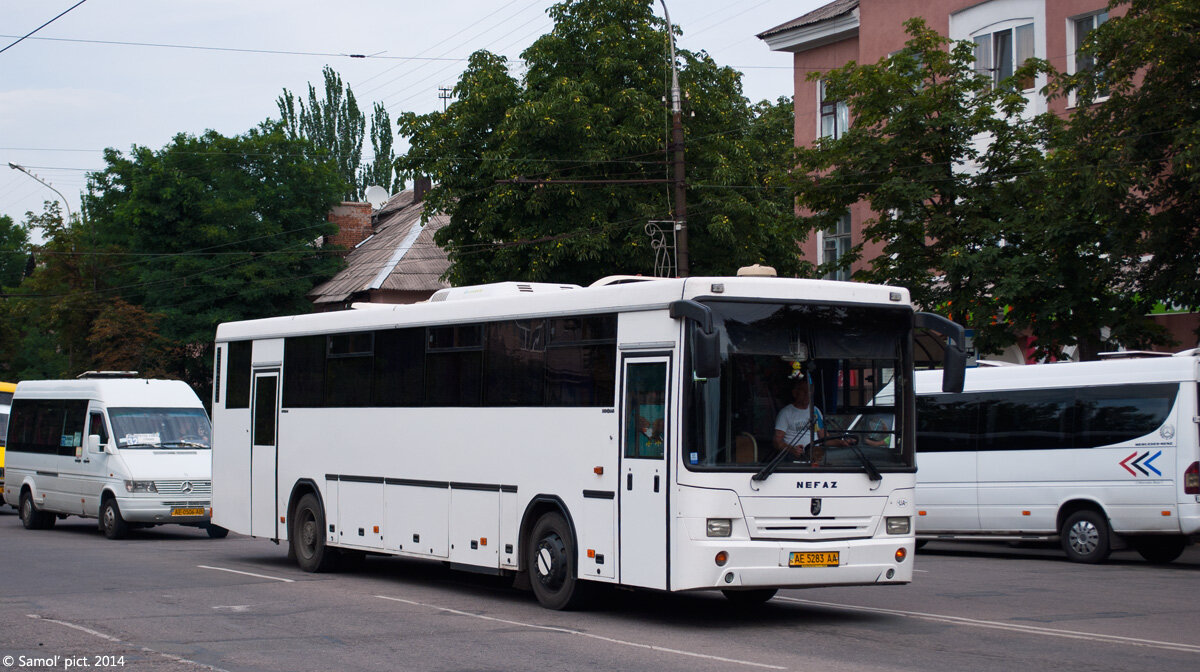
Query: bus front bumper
{"x": 761, "y": 564}
{"x": 162, "y": 512}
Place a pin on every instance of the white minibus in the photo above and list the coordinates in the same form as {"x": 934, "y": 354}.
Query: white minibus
{"x": 619, "y": 434}
{"x": 1100, "y": 455}
{"x": 127, "y": 451}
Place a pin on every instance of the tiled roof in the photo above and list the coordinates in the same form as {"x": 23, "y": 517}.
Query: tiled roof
{"x": 832, "y": 10}
{"x": 400, "y": 255}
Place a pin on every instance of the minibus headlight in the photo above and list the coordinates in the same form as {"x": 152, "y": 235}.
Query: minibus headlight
{"x": 719, "y": 527}
{"x": 140, "y": 486}
{"x": 898, "y": 524}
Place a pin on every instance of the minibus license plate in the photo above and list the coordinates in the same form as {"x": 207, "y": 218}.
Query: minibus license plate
{"x": 826, "y": 559}
{"x": 200, "y": 512}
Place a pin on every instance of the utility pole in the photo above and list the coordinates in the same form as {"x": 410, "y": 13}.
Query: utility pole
{"x": 444, "y": 92}
{"x": 677, "y": 147}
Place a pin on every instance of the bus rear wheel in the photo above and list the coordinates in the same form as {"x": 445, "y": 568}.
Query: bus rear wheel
{"x": 31, "y": 518}
{"x": 1159, "y": 549}
{"x": 551, "y": 564}
{"x": 307, "y": 540}
{"x": 1085, "y": 537}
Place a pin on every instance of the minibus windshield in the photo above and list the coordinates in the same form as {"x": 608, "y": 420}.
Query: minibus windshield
{"x": 160, "y": 428}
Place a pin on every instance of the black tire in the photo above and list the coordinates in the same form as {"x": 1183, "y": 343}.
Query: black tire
{"x": 111, "y": 523}
{"x": 748, "y": 598}
{"x": 216, "y": 531}
{"x": 1159, "y": 549}
{"x": 1085, "y": 537}
{"x": 921, "y": 543}
{"x": 307, "y": 540}
{"x": 550, "y": 562}
{"x": 31, "y": 518}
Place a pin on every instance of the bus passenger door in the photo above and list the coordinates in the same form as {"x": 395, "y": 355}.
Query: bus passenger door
{"x": 645, "y": 480}
{"x": 264, "y": 424}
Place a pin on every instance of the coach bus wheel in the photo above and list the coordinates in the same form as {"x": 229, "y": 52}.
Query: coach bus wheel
{"x": 1159, "y": 550}
{"x": 111, "y": 523}
{"x": 1085, "y": 537}
{"x": 551, "y": 564}
{"x": 31, "y": 518}
{"x": 308, "y": 536}
{"x": 748, "y": 598}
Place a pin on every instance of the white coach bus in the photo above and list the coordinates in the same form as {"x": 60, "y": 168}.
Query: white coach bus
{"x": 620, "y": 434}
{"x": 1101, "y": 455}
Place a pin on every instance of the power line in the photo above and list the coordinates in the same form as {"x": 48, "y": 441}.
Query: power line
{"x": 41, "y": 26}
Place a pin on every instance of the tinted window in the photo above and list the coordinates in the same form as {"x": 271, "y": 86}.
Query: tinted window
{"x": 1109, "y": 415}
{"x": 946, "y": 423}
{"x": 237, "y": 389}
{"x": 515, "y": 364}
{"x": 1026, "y": 419}
{"x": 454, "y": 365}
{"x": 581, "y": 360}
{"x": 304, "y": 371}
{"x": 399, "y": 375}
{"x": 348, "y": 369}
{"x": 264, "y": 411}
{"x": 50, "y": 426}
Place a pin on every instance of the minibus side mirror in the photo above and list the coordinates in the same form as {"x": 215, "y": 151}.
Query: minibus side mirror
{"x": 93, "y": 444}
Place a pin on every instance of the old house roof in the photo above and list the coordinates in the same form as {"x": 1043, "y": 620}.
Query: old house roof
{"x": 832, "y": 10}
{"x": 400, "y": 255}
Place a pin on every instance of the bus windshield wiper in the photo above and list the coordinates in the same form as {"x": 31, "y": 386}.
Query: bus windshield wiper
{"x": 770, "y": 467}
{"x": 869, "y": 466}
{"x": 182, "y": 444}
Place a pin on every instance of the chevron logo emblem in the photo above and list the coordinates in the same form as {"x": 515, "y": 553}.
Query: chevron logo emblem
{"x": 1141, "y": 463}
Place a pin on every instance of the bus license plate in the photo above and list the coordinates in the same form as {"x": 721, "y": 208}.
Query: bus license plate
{"x": 826, "y": 559}
{"x": 200, "y": 512}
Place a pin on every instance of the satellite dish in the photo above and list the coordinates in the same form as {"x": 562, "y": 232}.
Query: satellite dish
{"x": 376, "y": 196}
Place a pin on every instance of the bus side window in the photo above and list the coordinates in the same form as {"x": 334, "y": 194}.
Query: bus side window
{"x": 96, "y": 426}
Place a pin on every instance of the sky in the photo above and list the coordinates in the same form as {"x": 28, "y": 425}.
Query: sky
{"x": 118, "y": 73}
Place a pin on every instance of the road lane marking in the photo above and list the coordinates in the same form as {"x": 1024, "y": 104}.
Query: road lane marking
{"x": 580, "y": 633}
{"x": 117, "y": 640}
{"x": 1012, "y": 627}
{"x": 238, "y": 571}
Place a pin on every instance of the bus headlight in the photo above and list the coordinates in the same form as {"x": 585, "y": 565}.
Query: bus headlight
{"x": 898, "y": 524}
{"x": 719, "y": 527}
{"x": 140, "y": 486}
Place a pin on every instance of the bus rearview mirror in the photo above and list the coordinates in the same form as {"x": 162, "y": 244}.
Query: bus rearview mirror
{"x": 954, "y": 369}
{"x": 706, "y": 353}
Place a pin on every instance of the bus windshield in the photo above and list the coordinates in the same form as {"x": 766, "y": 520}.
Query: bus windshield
{"x": 160, "y": 428}
{"x": 803, "y": 387}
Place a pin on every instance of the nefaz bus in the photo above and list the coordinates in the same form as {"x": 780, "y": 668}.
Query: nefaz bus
{"x": 621, "y": 434}
{"x": 1101, "y": 455}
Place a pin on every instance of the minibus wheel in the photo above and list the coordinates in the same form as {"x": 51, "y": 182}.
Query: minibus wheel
{"x": 1159, "y": 549}
{"x": 31, "y": 518}
{"x": 551, "y": 564}
{"x": 307, "y": 540}
{"x": 1085, "y": 537}
{"x": 111, "y": 523}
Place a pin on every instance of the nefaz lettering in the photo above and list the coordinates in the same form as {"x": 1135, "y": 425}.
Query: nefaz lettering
{"x": 817, "y": 485}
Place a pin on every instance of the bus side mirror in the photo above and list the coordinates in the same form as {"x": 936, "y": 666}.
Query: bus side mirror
{"x": 954, "y": 366}
{"x": 93, "y": 444}
{"x": 706, "y": 354}
{"x": 954, "y": 370}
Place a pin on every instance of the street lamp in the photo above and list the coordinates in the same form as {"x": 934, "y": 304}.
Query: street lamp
{"x": 47, "y": 185}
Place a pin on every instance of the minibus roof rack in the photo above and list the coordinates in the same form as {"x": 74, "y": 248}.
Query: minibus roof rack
{"x": 107, "y": 374}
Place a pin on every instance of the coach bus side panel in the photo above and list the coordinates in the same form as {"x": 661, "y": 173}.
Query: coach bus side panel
{"x": 416, "y": 519}
{"x": 475, "y": 527}
{"x": 360, "y": 514}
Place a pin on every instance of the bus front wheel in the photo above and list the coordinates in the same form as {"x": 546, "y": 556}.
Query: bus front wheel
{"x": 1085, "y": 537}
{"x": 551, "y": 564}
{"x": 307, "y": 541}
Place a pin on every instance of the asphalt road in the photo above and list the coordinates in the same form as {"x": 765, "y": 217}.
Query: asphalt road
{"x": 172, "y": 599}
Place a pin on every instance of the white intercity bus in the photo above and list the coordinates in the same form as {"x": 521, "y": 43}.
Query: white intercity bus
{"x": 620, "y": 434}
{"x": 1100, "y": 455}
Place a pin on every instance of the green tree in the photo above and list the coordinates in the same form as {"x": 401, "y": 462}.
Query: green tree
{"x": 589, "y": 108}
{"x": 14, "y": 252}
{"x": 965, "y": 201}
{"x": 212, "y": 229}
{"x": 336, "y": 127}
{"x": 1135, "y": 135}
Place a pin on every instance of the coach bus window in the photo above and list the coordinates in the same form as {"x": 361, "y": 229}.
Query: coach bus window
{"x": 304, "y": 372}
{"x": 454, "y": 365}
{"x": 581, "y": 360}
{"x": 399, "y": 376}
{"x": 515, "y": 363}
{"x": 237, "y": 387}
{"x": 849, "y": 355}
{"x": 348, "y": 370}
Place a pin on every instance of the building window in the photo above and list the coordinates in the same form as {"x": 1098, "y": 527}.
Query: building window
{"x": 1081, "y": 26}
{"x": 1000, "y": 53}
{"x": 835, "y": 115}
{"x": 835, "y": 244}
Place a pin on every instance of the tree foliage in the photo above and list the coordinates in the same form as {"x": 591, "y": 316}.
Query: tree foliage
{"x": 1134, "y": 141}
{"x": 590, "y": 108}
{"x": 14, "y": 252}
{"x": 968, "y": 208}
{"x": 336, "y": 127}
